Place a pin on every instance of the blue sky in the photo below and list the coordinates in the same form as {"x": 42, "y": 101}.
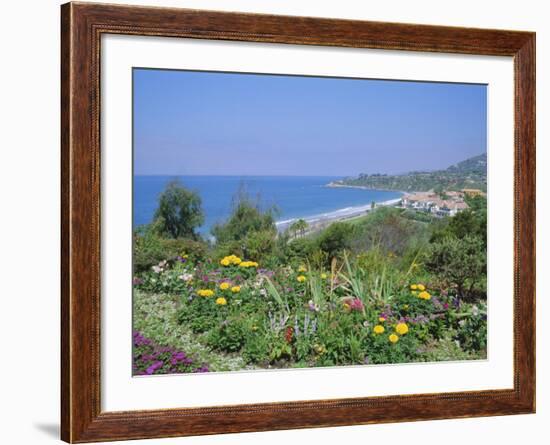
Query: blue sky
{"x": 205, "y": 123}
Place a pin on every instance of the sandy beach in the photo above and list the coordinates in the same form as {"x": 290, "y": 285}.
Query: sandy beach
{"x": 318, "y": 222}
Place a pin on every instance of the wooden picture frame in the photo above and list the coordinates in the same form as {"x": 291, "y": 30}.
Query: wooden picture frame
{"x": 82, "y": 25}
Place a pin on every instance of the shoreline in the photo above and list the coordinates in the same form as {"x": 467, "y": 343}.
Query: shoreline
{"x": 319, "y": 221}
{"x": 362, "y": 187}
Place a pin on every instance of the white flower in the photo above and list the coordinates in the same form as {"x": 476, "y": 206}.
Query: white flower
{"x": 186, "y": 277}
{"x": 157, "y": 269}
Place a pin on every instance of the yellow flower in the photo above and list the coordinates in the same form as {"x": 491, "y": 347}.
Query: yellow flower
{"x": 236, "y": 289}
{"x": 401, "y": 328}
{"x": 414, "y": 287}
{"x": 319, "y": 349}
{"x": 225, "y": 285}
{"x": 393, "y": 338}
{"x": 301, "y": 278}
{"x": 323, "y": 276}
{"x": 421, "y": 287}
{"x": 248, "y": 264}
{"x": 379, "y": 329}
{"x": 205, "y": 292}
{"x": 381, "y": 319}
{"x": 221, "y": 301}
{"x": 230, "y": 259}
{"x": 347, "y": 307}
{"x": 424, "y": 295}
{"x": 405, "y": 306}
{"x": 302, "y": 269}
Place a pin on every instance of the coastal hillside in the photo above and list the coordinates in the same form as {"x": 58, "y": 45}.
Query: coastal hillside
{"x": 470, "y": 173}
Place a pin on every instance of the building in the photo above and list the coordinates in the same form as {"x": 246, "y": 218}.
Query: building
{"x": 433, "y": 203}
{"x": 473, "y": 192}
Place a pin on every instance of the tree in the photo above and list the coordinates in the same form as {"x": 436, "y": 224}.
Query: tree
{"x": 249, "y": 231}
{"x": 299, "y": 227}
{"x": 179, "y": 212}
{"x": 467, "y": 222}
{"x": 459, "y": 261}
{"x": 336, "y": 238}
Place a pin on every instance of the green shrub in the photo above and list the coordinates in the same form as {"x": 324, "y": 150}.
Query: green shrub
{"x": 460, "y": 262}
{"x": 150, "y": 249}
{"x": 336, "y": 238}
{"x": 257, "y": 348}
{"x": 300, "y": 248}
{"x": 229, "y": 335}
{"x": 472, "y": 329}
{"x": 199, "y": 314}
{"x": 179, "y": 211}
{"x": 246, "y": 217}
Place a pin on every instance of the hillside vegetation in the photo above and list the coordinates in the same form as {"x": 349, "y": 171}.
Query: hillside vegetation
{"x": 470, "y": 173}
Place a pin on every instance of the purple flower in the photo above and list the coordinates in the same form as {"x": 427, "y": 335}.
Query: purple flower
{"x": 179, "y": 355}
{"x": 156, "y": 365}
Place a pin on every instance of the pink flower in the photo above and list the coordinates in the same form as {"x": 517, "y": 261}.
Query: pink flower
{"x": 356, "y": 304}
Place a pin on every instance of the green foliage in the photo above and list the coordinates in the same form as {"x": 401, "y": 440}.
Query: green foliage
{"x": 249, "y": 231}
{"x": 155, "y": 315}
{"x": 229, "y": 335}
{"x": 388, "y": 230}
{"x": 179, "y": 212}
{"x": 472, "y": 329}
{"x": 246, "y": 217}
{"x": 298, "y": 227}
{"x": 458, "y": 262}
{"x": 471, "y": 173}
{"x": 199, "y": 314}
{"x": 335, "y": 239}
{"x": 259, "y": 244}
{"x": 468, "y": 222}
{"x": 150, "y": 248}
{"x": 300, "y": 248}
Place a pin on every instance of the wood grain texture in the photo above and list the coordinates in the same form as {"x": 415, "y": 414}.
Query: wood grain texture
{"x": 81, "y": 28}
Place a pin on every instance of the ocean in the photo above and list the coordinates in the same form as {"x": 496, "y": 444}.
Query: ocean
{"x": 294, "y": 197}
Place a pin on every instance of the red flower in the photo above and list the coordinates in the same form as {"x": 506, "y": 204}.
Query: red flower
{"x": 289, "y": 334}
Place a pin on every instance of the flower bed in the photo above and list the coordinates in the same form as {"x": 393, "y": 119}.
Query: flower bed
{"x": 300, "y": 316}
{"x": 151, "y": 358}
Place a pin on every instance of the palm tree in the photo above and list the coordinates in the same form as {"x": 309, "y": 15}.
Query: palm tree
{"x": 299, "y": 226}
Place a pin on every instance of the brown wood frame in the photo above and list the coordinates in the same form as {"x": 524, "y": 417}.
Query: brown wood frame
{"x": 82, "y": 25}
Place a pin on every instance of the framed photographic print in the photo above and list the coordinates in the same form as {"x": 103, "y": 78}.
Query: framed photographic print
{"x": 274, "y": 222}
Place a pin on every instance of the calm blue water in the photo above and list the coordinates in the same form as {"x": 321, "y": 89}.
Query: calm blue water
{"x": 294, "y": 196}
